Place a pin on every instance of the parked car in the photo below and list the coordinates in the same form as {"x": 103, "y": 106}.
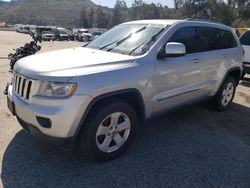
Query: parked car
{"x": 98, "y": 95}
{"x": 84, "y": 35}
{"x": 23, "y": 29}
{"x": 245, "y": 41}
{"x": 48, "y": 36}
{"x": 96, "y": 35}
{"x": 40, "y": 30}
{"x": 62, "y": 34}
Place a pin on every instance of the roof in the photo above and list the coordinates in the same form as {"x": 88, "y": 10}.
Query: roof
{"x": 166, "y": 22}
{"x": 156, "y": 21}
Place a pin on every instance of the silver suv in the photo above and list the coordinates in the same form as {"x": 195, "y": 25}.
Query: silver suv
{"x": 99, "y": 94}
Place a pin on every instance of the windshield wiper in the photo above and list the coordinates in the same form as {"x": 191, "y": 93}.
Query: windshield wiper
{"x": 132, "y": 51}
{"x": 153, "y": 38}
{"x": 118, "y": 42}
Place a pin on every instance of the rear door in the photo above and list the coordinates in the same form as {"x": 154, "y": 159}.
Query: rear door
{"x": 218, "y": 49}
{"x": 213, "y": 56}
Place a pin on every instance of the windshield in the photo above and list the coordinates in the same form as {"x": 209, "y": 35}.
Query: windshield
{"x": 62, "y": 32}
{"x": 129, "y": 39}
{"x": 46, "y": 32}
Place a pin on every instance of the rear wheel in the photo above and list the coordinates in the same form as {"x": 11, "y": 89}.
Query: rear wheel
{"x": 109, "y": 130}
{"x": 226, "y": 94}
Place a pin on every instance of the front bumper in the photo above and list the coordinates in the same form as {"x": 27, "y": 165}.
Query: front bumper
{"x": 63, "y": 114}
{"x": 64, "y": 143}
{"x": 246, "y": 67}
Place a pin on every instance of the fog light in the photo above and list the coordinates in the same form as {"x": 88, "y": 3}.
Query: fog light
{"x": 44, "y": 122}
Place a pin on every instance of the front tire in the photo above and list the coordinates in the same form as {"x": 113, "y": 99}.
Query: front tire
{"x": 108, "y": 131}
{"x": 225, "y": 95}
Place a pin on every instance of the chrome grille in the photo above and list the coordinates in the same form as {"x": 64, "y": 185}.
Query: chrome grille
{"x": 22, "y": 86}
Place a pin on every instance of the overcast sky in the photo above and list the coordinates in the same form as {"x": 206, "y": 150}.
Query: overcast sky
{"x": 110, "y": 3}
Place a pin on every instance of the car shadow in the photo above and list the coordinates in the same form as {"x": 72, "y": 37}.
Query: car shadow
{"x": 193, "y": 146}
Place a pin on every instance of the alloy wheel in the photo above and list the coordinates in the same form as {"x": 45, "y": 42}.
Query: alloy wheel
{"x": 113, "y": 132}
{"x": 227, "y": 94}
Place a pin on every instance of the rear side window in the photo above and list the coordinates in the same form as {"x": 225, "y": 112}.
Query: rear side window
{"x": 215, "y": 39}
{"x": 245, "y": 38}
{"x": 188, "y": 37}
{"x": 227, "y": 39}
{"x": 209, "y": 39}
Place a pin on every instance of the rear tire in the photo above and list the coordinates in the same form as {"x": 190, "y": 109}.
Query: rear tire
{"x": 108, "y": 131}
{"x": 225, "y": 95}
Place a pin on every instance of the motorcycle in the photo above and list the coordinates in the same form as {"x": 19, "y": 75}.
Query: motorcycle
{"x": 28, "y": 49}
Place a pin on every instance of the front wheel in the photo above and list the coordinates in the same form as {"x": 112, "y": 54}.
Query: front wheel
{"x": 225, "y": 95}
{"x": 109, "y": 130}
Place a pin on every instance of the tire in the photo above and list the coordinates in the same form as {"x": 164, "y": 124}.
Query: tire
{"x": 225, "y": 95}
{"x": 100, "y": 129}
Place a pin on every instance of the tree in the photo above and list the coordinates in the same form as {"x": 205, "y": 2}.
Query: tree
{"x": 102, "y": 18}
{"x": 235, "y": 12}
{"x": 83, "y": 19}
{"x": 120, "y": 12}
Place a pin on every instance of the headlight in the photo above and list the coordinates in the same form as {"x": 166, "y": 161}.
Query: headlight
{"x": 56, "y": 89}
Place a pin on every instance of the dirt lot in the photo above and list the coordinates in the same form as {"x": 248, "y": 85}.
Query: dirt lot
{"x": 194, "y": 146}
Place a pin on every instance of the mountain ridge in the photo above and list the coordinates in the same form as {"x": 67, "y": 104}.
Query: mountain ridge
{"x": 45, "y": 12}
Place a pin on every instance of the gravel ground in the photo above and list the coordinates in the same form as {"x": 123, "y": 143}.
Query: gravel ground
{"x": 193, "y": 146}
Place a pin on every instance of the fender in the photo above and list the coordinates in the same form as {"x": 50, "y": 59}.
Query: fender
{"x": 106, "y": 95}
{"x": 226, "y": 75}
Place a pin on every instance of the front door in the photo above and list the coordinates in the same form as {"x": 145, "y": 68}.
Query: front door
{"x": 178, "y": 79}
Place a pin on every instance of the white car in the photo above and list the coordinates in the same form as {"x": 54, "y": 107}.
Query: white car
{"x": 84, "y": 35}
{"x": 245, "y": 41}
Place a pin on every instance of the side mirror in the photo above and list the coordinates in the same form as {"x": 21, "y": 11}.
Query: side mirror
{"x": 175, "y": 49}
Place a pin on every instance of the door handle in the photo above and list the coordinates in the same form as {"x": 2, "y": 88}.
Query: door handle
{"x": 196, "y": 61}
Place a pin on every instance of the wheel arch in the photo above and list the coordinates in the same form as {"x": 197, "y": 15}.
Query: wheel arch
{"x": 235, "y": 72}
{"x": 131, "y": 96}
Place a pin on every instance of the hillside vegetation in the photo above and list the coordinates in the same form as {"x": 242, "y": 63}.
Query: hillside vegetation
{"x": 44, "y": 12}
{"x": 84, "y": 13}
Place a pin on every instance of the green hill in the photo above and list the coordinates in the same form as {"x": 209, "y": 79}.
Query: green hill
{"x": 45, "y": 12}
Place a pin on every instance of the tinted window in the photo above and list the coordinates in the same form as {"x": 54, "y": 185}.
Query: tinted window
{"x": 186, "y": 36}
{"x": 227, "y": 39}
{"x": 245, "y": 38}
{"x": 215, "y": 39}
{"x": 209, "y": 38}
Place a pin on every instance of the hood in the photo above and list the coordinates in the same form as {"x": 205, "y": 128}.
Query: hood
{"x": 86, "y": 34}
{"x": 72, "y": 62}
{"x": 47, "y": 34}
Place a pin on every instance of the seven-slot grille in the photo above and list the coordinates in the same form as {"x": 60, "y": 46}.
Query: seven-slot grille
{"x": 22, "y": 86}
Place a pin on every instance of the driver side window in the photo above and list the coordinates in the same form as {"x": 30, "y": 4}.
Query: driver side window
{"x": 188, "y": 37}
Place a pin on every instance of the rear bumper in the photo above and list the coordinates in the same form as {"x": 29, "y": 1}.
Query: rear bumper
{"x": 246, "y": 66}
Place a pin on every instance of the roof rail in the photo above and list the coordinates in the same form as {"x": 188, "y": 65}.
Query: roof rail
{"x": 203, "y": 20}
